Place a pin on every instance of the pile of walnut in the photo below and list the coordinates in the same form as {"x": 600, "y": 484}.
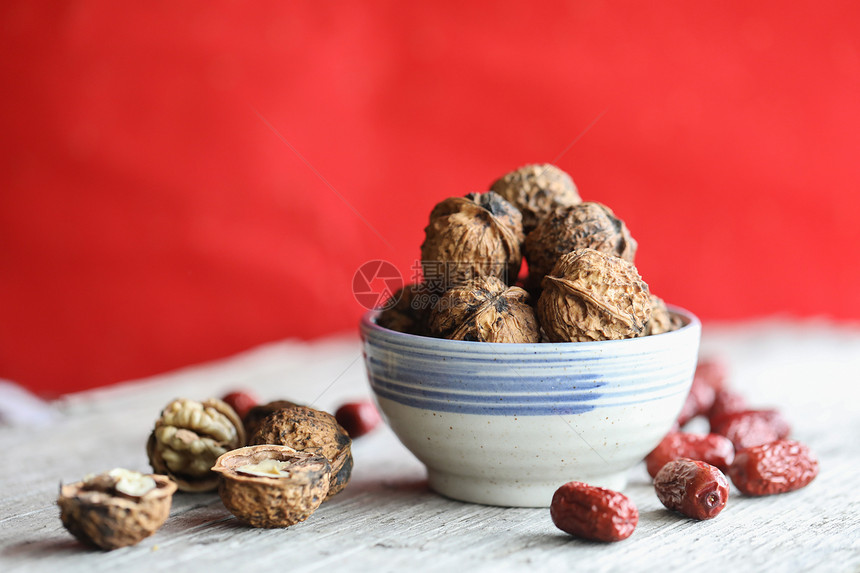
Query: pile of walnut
{"x": 581, "y": 283}
{"x": 291, "y": 460}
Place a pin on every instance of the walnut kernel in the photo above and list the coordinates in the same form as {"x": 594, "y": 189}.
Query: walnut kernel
{"x": 187, "y": 439}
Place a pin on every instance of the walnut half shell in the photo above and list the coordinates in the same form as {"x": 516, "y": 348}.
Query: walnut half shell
{"x": 272, "y": 486}
{"x": 188, "y": 438}
{"x": 117, "y": 508}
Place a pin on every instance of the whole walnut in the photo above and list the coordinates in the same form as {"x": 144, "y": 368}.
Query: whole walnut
{"x": 661, "y": 319}
{"x": 410, "y": 311}
{"x": 479, "y": 234}
{"x": 485, "y": 310}
{"x": 187, "y": 439}
{"x": 313, "y": 431}
{"x": 590, "y": 295}
{"x": 258, "y": 413}
{"x": 537, "y": 191}
{"x": 586, "y": 225}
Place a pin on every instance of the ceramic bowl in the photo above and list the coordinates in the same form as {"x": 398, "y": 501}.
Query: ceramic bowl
{"x": 507, "y": 424}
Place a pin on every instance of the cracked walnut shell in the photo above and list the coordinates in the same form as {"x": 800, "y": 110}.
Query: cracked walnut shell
{"x": 187, "y": 439}
{"x": 485, "y": 310}
{"x": 117, "y": 508}
{"x": 537, "y": 191}
{"x": 586, "y": 225}
{"x": 479, "y": 234}
{"x": 308, "y": 430}
{"x": 590, "y": 295}
{"x": 272, "y": 486}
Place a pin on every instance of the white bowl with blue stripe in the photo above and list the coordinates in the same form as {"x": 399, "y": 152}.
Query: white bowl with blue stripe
{"x": 507, "y": 424}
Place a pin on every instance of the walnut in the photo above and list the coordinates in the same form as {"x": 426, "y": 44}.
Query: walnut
{"x": 586, "y": 225}
{"x": 117, "y": 508}
{"x": 309, "y": 430}
{"x": 661, "y": 319}
{"x": 188, "y": 438}
{"x": 479, "y": 234}
{"x": 485, "y": 310}
{"x": 272, "y": 486}
{"x": 411, "y": 310}
{"x": 590, "y": 295}
{"x": 257, "y": 414}
{"x": 537, "y": 191}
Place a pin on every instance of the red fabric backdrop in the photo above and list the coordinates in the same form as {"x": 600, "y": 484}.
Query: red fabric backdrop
{"x": 151, "y": 217}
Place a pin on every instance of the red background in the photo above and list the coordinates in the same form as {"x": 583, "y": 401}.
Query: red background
{"x": 150, "y": 217}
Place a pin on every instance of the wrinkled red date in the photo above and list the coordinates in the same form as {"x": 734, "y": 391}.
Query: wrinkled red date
{"x": 710, "y": 377}
{"x": 777, "y": 467}
{"x": 358, "y": 418}
{"x": 241, "y": 401}
{"x": 713, "y": 449}
{"x": 693, "y": 488}
{"x": 698, "y": 402}
{"x": 726, "y": 401}
{"x": 593, "y": 513}
{"x": 712, "y": 372}
{"x": 751, "y": 427}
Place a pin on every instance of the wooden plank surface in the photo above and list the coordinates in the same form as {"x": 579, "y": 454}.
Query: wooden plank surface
{"x": 388, "y": 520}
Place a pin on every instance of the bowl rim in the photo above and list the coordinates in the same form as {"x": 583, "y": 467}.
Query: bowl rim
{"x": 368, "y": 325}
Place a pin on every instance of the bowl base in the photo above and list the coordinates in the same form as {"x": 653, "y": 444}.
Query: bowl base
{"x": 513, "y": 493}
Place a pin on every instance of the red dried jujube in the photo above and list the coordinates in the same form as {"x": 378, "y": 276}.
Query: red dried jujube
{"x": 241, "y": 401}
{"x": 693, "y": 488}
{"x": 777, "y": 467}
{"x": 714, "y": 449}
{"x": 358, "y": 418}
{"x": 710, "y": 377}
{"x": 712, "y": 372}
{"x": 593, "y": 513}
{"x": 751, "y": 427}
{"x": 726, "y": 401}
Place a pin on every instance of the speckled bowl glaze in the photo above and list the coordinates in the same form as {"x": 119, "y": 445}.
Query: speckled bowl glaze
{"x": 507, "y": 424}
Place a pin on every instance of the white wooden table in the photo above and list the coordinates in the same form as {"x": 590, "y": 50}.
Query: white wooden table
{"x": 387, "y": 519}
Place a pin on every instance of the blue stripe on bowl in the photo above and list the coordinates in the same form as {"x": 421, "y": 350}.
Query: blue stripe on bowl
{"x": 489, "y": 398}
{"x": 500, "y": 409}
{"x": 528, "y": 379}
{"x": 505, "y": 408}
